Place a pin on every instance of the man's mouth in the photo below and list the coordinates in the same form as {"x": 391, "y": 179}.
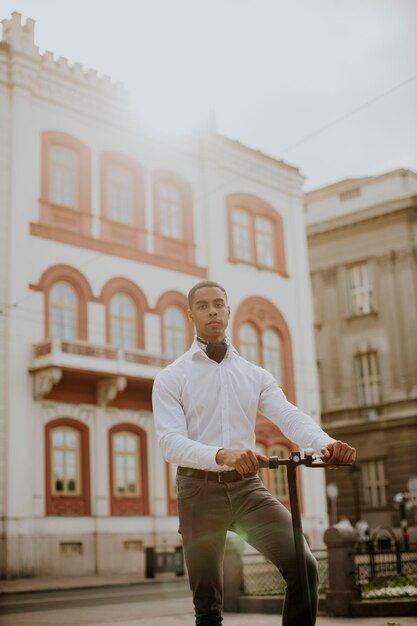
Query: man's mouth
{"x": 214, "y": 323}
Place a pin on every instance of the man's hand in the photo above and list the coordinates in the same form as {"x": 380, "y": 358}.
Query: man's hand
{"x": 243, "y": 461}
{"x": 338, "y": 452}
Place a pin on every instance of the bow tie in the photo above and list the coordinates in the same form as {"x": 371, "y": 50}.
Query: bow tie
{"x": 215, "y": 351}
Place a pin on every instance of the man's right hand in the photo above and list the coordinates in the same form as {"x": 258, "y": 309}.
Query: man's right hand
{"x": 243, "y": 461}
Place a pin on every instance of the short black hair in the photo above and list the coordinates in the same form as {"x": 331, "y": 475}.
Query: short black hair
{"x": 200, "y": 285}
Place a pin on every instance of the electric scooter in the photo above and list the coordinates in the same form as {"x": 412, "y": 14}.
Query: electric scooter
{"x": 292, "y": 463}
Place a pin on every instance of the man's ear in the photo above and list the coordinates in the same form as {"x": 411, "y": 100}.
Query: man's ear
{"x": 190, "y": 314}
{"x": 228, "y": 312}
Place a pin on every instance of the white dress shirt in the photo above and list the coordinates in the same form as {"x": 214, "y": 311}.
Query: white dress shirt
{"x": 201, "y": 406}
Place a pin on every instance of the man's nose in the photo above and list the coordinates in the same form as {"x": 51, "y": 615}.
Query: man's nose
{"x": 213, "y": 311}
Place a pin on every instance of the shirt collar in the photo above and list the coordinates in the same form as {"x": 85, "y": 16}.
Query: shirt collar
{"x": 198, "y": 349}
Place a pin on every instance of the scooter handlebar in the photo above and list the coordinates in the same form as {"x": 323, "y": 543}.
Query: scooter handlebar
{"x": 295, "y": 458}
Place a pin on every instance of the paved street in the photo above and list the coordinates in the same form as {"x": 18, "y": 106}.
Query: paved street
{"x": 163, "y": 604}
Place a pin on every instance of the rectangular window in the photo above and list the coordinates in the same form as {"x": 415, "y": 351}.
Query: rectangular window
{"x": 374, "y": 483}
{"x": 265, "y": 242}
{"x": 241, "y": 235}
{"x": 170, "y": 211}
{"x": 360, "y": 289}
{"x": 63, "y": 179}
{"x": 119, "y": 191}
{"x": 368, "y": 380}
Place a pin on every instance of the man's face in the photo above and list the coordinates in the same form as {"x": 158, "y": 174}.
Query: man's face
{"x": 210, "y": 313}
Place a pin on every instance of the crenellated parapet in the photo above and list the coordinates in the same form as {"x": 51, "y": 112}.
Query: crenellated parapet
{"x": 53, "y": 78}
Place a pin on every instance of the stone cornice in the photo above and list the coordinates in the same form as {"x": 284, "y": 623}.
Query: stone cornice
{"x": 351, "y": 183}
{"x": 358, "y": 218}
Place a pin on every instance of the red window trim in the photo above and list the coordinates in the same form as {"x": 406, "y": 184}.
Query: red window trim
{"x": 256, "y": 207}
{"x": 72, "y": 276}
{"x": 77, "y": 219}
{"x": 133, "y": 234}
{"x": 176, "y": 299}
{"x": 120, "y": 285}
{"x": 263, "y": 315}
{"x": 182, "y": 249}
{"x": 68, "y": 505}
{"x": 139, "y": 505}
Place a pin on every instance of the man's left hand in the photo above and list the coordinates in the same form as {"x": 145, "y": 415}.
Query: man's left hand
{"x": 338, "y": 452}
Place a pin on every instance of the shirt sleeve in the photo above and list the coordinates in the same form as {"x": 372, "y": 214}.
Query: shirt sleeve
{"x": 297, "y": 426}
{"x": 171, "y": 428}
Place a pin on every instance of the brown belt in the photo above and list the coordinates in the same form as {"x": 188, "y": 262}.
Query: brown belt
{"x": 218, "y": 477}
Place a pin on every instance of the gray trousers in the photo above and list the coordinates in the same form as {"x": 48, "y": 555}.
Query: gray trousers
{"x": 207, "y": 510}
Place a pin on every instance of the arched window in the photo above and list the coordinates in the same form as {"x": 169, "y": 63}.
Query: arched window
{"x": 122, "y": 321}
{"x": 261, "y": 335}
{"x": 126, "y": 306}
{"x": 271, "y": 353}
{"x": 63, "y": 311}
{"x": 262, "y": 349}
{"x": 249, "y": 343}
{"x": 275, "y": 481}
{"x": 256, "y": 234}
{"x": 175, "y": 332}
{"x": 128, "y": 470}
{"x": 67, "y": 468}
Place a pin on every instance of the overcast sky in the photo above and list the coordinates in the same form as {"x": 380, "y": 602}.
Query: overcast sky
{"x": 273, "y": 71}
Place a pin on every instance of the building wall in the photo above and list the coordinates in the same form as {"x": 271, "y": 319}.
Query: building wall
{"x": 376, "y": 228}
{"x": 57, "y": 97}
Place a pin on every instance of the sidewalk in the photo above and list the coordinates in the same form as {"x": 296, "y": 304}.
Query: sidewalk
{"x": 52, "y": 583}
{"x": 167, "y": 612}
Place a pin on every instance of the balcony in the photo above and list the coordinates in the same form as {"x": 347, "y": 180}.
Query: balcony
{"x": 81, "y": 372}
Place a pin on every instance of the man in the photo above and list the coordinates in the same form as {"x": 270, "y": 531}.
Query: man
{"x": 205, "y": 406}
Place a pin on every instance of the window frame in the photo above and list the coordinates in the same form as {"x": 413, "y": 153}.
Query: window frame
{"x": 369, "y": 391}
{"x": 179, "y": 301}
{"x": 164, "y": 327}
{"x": 357, "y": 291}
{"x": 256, "y": 208}
{"x": 264, "y": 315}
{"x": 68, "y": 504}
{"x": 133, "y": 234}
{"x": 379, "y": 486}
{"x": 62, "y": 309}
{"x": 72, "y": 276}
{"x": 127, "y": 505}
{"x": 76, "y": 219}
{"x": 182, "y": 248}
{"x": 122, "y": 320}
{"x": 126, "y": 287}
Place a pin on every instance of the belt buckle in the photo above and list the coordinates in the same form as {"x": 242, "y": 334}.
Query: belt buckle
{"x": 219, "y": 477}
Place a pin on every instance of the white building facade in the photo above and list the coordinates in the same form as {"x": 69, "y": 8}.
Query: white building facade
{"x": 104, "y": 231}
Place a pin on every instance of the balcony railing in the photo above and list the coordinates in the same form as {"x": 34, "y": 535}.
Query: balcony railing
{"x": 88, "y": 356}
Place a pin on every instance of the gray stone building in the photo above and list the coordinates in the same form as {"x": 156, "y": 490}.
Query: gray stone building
{"x": 362, "y": 236}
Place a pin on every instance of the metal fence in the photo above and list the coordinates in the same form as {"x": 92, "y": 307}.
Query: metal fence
{"x": 261, "y": 577}
{"x": 386, "y": 574}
